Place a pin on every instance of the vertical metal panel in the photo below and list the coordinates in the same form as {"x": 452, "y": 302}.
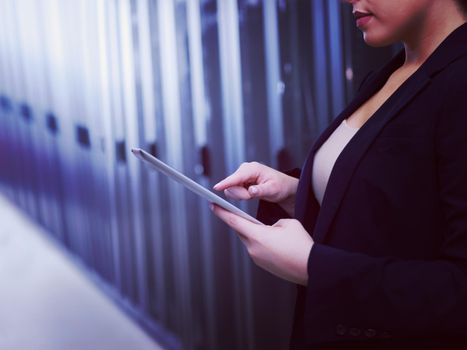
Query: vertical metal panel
{"x": 88, "y": 188}
{"x": 108, "y": 159}
{"x": 61, "y": 39}
{"x": 192, "y": 156}
{"x": 114, "y": 131}
{"x": 231, "y": 83}
{"x": 59, "y": 95}
{"x": 31, "y": 97}
{"x": 200, "y": 113}
{"x": 329, "y": 82}
{"x": 206, "y": 307}
{"x": 321, "y": 86}
{"x": 232, "y": 106}
{"x": 98, "y": 209}
{"x": 41, "y": 100}
{"x": 224, "y": 304}
{"x": 275, "y": 84}
{"x": 173, "y": 155}
{"x": 296, "y": 58}
{"x": 336, "y": 56}
{"x": 23, "y": 162}
{"x": 84, "y": 140}
{"x": 6, "y": 132}
{"x": 44, "y": 166}
{"x": 11, "y": 86}
{"x": 128, "y": 271}
{"x": 253, "y": 78}
{"x": 132, "y": 119}
{"x": 153, "y": 200}
{"x": 49, "y": 163}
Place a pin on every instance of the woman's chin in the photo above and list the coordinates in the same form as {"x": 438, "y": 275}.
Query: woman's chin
{"x": 376, "y": 40}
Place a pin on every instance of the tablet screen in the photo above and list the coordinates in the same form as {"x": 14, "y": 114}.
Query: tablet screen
{"x": 190, "y": 184}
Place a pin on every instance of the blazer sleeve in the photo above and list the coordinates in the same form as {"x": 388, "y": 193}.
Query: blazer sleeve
{"x": 353, "y": 296}
{"x": 269, "y": 213}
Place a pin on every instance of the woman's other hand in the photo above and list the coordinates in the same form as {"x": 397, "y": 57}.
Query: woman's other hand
{"x": 255, "y": 180}
{"x": 281, "y": 249}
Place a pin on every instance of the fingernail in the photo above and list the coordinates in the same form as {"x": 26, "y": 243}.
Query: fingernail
{"x": 253, "y": 190}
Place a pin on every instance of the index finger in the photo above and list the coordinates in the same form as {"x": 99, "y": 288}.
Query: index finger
{"x": 243, "y": 226}
{"x": 238, "y": 178}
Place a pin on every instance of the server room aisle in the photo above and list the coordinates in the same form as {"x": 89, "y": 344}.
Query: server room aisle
{"x": 46, "y": 303}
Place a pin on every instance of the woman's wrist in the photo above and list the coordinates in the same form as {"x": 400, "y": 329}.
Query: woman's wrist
{"x": 288, "y": 204}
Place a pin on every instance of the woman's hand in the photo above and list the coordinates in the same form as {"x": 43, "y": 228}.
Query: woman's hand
{"x": 255, "y": 180}
{"x": 281, "y": 249}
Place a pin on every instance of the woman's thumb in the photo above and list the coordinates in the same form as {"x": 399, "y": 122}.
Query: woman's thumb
{"x": 257, "y": 190}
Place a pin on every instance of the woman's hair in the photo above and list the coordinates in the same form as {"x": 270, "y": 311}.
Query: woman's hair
{"x": 462, "y": 5}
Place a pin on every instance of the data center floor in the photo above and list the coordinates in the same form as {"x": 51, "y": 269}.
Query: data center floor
{"x": 47, "y": 303}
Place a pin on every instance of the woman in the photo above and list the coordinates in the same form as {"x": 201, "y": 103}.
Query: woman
{"x": 378, "y": 245}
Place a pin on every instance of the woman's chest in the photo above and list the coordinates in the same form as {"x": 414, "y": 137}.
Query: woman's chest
{"x": 361, "y": 115}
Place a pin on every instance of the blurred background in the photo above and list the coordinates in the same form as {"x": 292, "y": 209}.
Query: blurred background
{"x": 202, "y": 84}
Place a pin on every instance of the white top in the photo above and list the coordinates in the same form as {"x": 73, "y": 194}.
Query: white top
{"x": 327, "y": 155}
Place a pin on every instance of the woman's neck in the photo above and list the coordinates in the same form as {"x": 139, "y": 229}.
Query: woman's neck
{"x": 435, "y": 27}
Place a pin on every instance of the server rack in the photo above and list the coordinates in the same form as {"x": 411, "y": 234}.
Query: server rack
{"x": 204, "y": 85}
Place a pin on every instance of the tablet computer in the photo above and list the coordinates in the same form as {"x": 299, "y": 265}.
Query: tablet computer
{"x": 190, "y": 184}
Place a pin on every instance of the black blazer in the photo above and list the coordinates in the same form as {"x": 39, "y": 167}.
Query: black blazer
{"x": 389, "y": 265}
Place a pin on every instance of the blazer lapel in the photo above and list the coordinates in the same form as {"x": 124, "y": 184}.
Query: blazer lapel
{"x": 349, "y": 158}
{"x": 307, "y": 207}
